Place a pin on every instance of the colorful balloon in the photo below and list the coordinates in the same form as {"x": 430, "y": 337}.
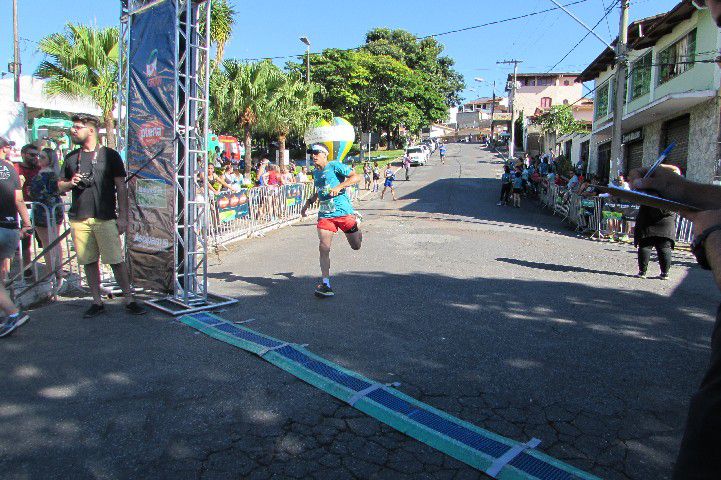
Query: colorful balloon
{"x": 337, "y": 135}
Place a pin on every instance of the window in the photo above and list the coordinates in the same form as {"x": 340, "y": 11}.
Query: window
{"x": 565, "y": 82}
{"x": 565, "y": 101}
{"x": 546, "y": 102}
{"x": 601, "y": 102}
{"x": 546, "y": 81}
{"x": 677, "y": 58}
{"x": 641, "y": 76}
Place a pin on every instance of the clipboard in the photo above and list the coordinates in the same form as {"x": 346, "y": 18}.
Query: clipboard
{"x": 643, "y": 198}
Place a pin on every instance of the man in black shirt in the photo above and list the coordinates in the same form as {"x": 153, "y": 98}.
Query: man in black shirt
{"x": 11, "y": 203}
{"x": 95, "y": 174}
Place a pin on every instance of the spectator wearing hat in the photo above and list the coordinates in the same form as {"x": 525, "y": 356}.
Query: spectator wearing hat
{"x": 336, "y": 212}
{"x": 95, "y": 174}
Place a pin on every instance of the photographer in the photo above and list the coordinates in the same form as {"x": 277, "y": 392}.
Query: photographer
{"x": 95, "y": 174}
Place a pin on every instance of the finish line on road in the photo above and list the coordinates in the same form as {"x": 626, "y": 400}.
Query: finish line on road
{"x": 493, "y": 454}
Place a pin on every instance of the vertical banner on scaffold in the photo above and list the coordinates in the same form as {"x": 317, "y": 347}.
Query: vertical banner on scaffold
{"x": 151, "y": 151}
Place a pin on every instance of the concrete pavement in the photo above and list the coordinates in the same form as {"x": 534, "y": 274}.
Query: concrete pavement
{"x": 500, "y": 316}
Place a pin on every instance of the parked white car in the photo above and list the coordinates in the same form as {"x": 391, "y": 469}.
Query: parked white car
{"x": 417, "y": 154}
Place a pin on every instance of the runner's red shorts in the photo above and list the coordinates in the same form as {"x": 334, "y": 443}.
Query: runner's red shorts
{"x": 344, "y": 223}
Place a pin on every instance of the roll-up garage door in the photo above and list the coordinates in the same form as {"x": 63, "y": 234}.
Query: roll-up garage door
{"x": 634, "y": 156}
{"x": 676, "y": 130}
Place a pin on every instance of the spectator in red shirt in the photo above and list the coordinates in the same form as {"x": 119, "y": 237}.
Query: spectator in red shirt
{"x": 27, "y": 169}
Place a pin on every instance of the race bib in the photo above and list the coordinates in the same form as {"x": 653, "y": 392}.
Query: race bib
{"x": 327, "y": 206}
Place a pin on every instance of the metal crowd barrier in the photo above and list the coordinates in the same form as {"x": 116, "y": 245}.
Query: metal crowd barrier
{"x": 251, "y": 210}
{"x": 600, "y": 217}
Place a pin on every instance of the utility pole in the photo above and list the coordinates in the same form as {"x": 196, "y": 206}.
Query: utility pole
{"x": 16, "y": 54}
{"x": 620, "y": 82}
{"x": 512, "y": 145}
{"x": 493, "y": 108}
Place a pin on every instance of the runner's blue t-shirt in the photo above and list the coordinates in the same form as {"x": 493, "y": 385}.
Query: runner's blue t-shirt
{"x": 331, "y": 176}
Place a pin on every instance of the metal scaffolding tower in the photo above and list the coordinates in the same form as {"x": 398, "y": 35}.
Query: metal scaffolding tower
{"x": 190, "y": 125}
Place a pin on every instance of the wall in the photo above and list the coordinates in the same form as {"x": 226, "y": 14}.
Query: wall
{"x": 529, "y": 98}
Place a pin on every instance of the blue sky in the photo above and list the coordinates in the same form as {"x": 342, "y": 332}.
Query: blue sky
{"x": 272, "y": 28}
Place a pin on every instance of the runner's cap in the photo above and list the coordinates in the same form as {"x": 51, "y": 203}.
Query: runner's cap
{"x": 318, "y": 148}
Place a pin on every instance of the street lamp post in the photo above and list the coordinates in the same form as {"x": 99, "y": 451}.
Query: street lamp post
{"x": 307, "y": 58}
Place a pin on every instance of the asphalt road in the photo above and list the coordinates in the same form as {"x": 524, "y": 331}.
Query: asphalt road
{"x": 500, "y": 316}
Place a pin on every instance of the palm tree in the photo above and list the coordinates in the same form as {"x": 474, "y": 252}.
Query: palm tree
{"x": 222, "y": 19}
{"x": 83, "y": 62}
{"x": 291, "y": 110}
{"x": 242, "y": 96}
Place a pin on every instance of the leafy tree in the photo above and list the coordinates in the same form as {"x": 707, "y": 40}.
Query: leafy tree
{"x": 83, "y": 62}
{"x": 291, "y": 110}
{"x": 222, "y": 19}
{"x": 421, "y": 56}
{"x": 560, "y": 119}
{"x": 394, "y": 80}
{"x": 242, "y": 96}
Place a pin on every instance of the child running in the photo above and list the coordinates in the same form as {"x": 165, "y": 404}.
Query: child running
{"x": 390, "y": 176}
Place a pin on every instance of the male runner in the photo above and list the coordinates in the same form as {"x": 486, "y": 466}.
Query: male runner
{"x": 443, "y": 153}
{"x": 335, "y": 212}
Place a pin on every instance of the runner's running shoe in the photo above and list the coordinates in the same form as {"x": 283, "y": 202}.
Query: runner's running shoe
{"x": 323, "y": 290}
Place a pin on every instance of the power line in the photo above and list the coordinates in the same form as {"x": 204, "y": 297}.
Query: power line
{"x": 605, "y": 16}
{"x": 449, "y": 32}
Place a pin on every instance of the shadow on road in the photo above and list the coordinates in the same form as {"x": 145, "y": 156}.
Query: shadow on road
{"x": 552, "y": 267}
{"x": 594, "y": 372}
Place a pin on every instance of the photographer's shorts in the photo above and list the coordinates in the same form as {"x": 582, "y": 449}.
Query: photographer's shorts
{"x": 95, "y": 239}
{"x": 8, "y": 242}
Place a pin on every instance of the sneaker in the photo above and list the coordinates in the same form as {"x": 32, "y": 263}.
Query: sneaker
{"x": 641, "y": 275}
{"x": 12, "y": 323}
{"x": 94, "y": 310}
{"x": 663, "y": 276}
{"x": 499, "y": 204}
{"x": 323, "y": 290}
{"x": 134, "y": 308}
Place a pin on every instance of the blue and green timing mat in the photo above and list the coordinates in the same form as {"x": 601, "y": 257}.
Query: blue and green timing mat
{"x": 497, "y": 456}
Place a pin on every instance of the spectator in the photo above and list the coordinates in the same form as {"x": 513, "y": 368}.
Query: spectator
{"x": 44, "y": 191}
{"x": 621, "y": 182}
{"x": 303, "y": 176}
{"x": 654, "y": 228}
{"x": 573, "y": 183}
{"x": 367, "y": 175}
{"x": 271, "y": 177}
{"x": 543, "y": 168}
{"x": 517, "y": 189}
{"x": 506, "y": 186}
{"x": 376, "y": 176}
{"x": 286, "y": 177}
{"x": 27, "y": 169}
{"x": 232, "y": 178}
{"x": 11, "y": 204}
{"x": 95, "y": 175}
{"x": 262, "y": 168}
{"x": 407, "y": 166}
